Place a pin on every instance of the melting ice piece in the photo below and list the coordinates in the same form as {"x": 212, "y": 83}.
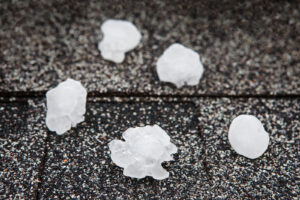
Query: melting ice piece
{"x": 119, "y": 37}
{"x": 143, "y": 152}
{"x": 179, "y": 65}
{"x": 65, "y": 106}
{"x": 248, "y": 137}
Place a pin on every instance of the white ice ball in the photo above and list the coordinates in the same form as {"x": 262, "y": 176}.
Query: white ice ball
{"x": 143, "y": 151}
{"x": 65, "y": 106}
{"x": 248, "y": 137}
{"x": 119, "y": 36}
{"x": 179, "y": 65}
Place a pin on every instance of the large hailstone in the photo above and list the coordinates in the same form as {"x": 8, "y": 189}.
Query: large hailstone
{"x": 65, "y": 106}
{"x": 143, "y": 151}
{"x": 179, "y": 65}
{"x": 248, "y": 137}
{"x": 119, "y": 37}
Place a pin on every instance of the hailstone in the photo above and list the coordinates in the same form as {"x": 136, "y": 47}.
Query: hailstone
{"x": 119, "y": 37}
{"x": 65, "y": 106}
{"x": 248, "y": 137}
{"x": 179, "y": 65}
{"x": 143, "y": 151}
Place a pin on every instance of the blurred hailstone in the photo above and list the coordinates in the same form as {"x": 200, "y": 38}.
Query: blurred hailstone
{"x": 179, "y": 65}
{"x": 143, "y": 151}
{"x": 248, "y": 137}
{"x": 119, "y": 37}
{"x": 65, "y": 106}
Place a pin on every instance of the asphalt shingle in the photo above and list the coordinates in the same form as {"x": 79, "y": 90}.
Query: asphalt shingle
{"x": 271, "y": 176}
{"x": 22, "y": 142}
{"x": 78, "y": 163}
{"x": 246, "y": 48}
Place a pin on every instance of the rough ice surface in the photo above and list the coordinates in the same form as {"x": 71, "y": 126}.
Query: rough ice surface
{"x": 65, "y": 106}
{"x": 143, "y": 151}
{"x": 179, "y": 65}
{"x": 119, "y": 37}
{"x": 248, "y": 137}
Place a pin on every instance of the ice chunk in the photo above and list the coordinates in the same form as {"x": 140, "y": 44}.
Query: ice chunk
{"x": 119, "y": 37}
{"x": 179, "y": 65}
{"x": 248, "y": 137}
{"x": 65, "y": 106}
{"x": 143, "y": 151}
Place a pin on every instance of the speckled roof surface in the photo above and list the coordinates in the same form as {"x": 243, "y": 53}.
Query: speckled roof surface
{"x": 250, "y": 51}
{"x": 246, "y": 48}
